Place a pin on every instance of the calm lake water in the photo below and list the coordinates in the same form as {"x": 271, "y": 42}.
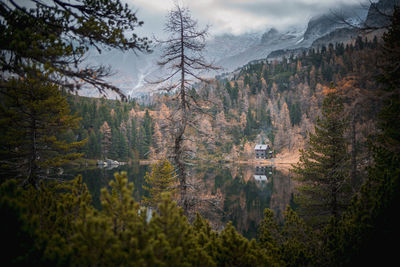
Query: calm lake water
{"x": 222, "y": 193}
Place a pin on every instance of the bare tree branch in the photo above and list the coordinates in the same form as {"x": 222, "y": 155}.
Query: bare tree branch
{"x": 182, "y": 54}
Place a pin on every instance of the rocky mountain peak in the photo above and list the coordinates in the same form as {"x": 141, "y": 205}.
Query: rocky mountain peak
{"x": 271, "y": 34}
{"x": 319, "y": 26}
{"x": 379, "y": 13}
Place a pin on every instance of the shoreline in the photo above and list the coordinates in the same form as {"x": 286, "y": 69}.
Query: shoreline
{"x": 280, "y": 161}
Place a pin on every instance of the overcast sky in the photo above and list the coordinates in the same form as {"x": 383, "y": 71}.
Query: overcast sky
{"x": 238, "y": 16}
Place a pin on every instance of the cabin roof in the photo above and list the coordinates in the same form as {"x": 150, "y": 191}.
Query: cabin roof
{"x": 261, "y": 147}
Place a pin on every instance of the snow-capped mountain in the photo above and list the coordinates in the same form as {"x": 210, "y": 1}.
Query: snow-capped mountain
{"x": 229, "y": 52}
{"x": 269, "y": 41}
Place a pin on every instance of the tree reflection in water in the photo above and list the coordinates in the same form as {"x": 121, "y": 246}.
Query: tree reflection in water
{"x": 220, "y": 193}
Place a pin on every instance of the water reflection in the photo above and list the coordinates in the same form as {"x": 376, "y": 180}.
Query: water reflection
{"x": 108, "y": 167}
{"x": 262, "y": 174}
{"x": 97, "y": 178}
{"x": 221, "y": 193}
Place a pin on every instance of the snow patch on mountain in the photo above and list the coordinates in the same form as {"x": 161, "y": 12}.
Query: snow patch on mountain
{"x": 227, "y": 51}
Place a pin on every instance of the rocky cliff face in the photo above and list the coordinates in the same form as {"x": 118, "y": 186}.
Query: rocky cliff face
{"x": 318, "y": 27}
{"x": 231, "y": 52}
{"x": 271, "y": 40}
{"x": 342, "y": 35}
{"x": 379, "y": 13}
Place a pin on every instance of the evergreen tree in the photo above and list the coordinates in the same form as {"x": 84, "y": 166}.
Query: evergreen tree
{"x": 251, "y": 124}
{"x": 143, "y": 144}
{"x": 269, "y": 235}
{"x": 323, "y": 169}
{"x": 229, "y": 88}
{"x": 299, "y": 245}
{"x": 174, "y": 239}
{"x": 45, "y": 220}
{"x": 205, "y": 236}
{"x": 235, "y": 93}
{"x": 292, "y": 244}
{"x": 148, "y": 126}
{"x": 122, "y": 147}
{"x": 295, "y": 113}
{"x": 232, "y": 249}
{"x": 54, "y": 37}
{"x": 160, "y": 180}
{"x": 133, "y": 135}
{"x": 33, "y": 117}
{"x": 106, "y": 140}
{"x": 94, "y": 146}
{"x": 369, "y": 227}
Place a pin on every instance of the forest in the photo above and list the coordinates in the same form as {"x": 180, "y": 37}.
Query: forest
{"x": 336, "y": 107}
{"x": 261, "y": 101}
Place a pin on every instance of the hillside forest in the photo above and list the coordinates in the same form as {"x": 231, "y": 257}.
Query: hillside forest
{"x": 331, "y": 111}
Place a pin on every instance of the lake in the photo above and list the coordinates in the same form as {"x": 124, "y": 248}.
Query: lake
{"x": 221, "y": 193}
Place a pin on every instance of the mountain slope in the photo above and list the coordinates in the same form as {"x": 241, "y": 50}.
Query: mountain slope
{"x": 227, "y": 51}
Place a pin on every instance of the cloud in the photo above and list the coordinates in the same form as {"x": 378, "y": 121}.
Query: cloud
{"x": 239, "y": 16}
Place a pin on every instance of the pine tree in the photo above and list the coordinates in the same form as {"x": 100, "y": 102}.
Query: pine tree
{"x": 323, "y": 169}
{"x": 160, "y": 180}
{"x": 55, "y": 36}
{"x": 93, "y": 144}
{"x": 126, "y": 220}
{"x": 119, "y": 204}
{"x": 46, "y": 220}
{"x": 232, "y": 249}
{"x": 205, "y": 237}
{"x": 269, "y": 235}
{"x": 122, "y": 147}
{"x": 299, "y": 245}
{"x": 369, "y": 227}
{"x": 290, "y": 244}
{"x": 148, "y": 126}
{"x": 143, "y": 144}
{"x": 106, "y": 140}
{"x": 133, "y": 136}
{"x": 34, "y": 116}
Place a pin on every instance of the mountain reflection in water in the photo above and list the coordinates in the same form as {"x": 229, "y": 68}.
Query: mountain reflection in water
{"x": 222, "y": 193}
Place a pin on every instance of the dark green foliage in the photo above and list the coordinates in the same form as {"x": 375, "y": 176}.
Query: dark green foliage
{"x": 17, "y": 237}
{"x": 160, "y": 180}
{"x": 324, "y": 166}
{"x": 369, "y": 229}
{"x": 290, "y": 244}
{"x": 55, "y": 37}
{"x": 57, "y": 225}
{"x": 130, "y": 138}
{"x": 300, "y": 243}
{"x": 233, "y": 92}
{"x": 36, "y": 129}
{"x": 148, "y": 127}
{"x": 269, "y": 234}
{"x": 174, "y": 238}
{"x": 390, "y": 75}
{"x": 295, "y": 113}
{"x": 251, "y": 125}
{"x": 282, "y": 79}
{"x": 232, "y": 249}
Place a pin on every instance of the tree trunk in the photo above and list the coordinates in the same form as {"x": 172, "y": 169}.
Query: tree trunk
{"x": 179, "y": 157}
{"x": 353, "y": 154}
{"x": 32, "y": 171}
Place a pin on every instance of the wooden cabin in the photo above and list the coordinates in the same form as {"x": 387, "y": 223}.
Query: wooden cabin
{"x": 262, "y": 151}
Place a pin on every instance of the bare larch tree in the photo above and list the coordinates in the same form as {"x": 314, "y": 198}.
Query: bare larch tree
{"x": 183, "y": 58}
